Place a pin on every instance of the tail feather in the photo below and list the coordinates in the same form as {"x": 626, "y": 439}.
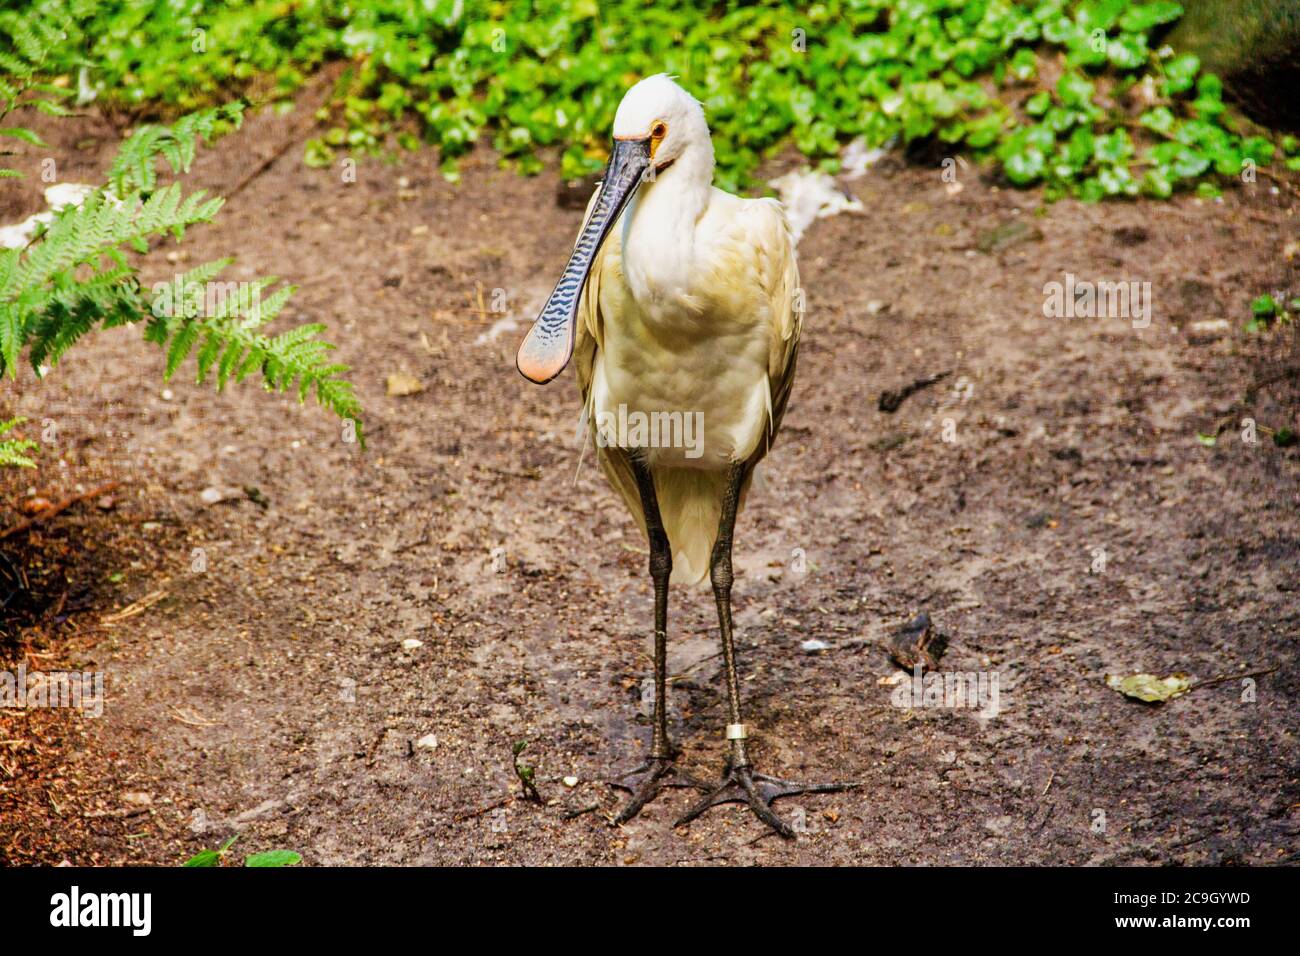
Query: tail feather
{"x": 690, "y": 504}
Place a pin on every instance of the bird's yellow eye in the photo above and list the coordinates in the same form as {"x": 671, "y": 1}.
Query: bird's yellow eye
{"x": 657, "y": 134}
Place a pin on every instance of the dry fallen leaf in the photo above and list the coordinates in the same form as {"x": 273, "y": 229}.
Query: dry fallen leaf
{"x": 399, "y": 383}
{"x": 1149, "y": 687}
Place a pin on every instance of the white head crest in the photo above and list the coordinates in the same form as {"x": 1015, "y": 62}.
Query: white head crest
{"x": 657, "y": 102}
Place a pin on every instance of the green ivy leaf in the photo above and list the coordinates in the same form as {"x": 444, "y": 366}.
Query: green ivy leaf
{"x": 1140, "y": 18}
{"x": 1074, "y": 90}
{"x": 1180, "y": 73}
{"x": 1158, "y": 182}
{"x": 1099, "y": 14}
{"x": 1023, "y": 65}
{"x": 273, "y": 858}
{"x": 1091, "y": 190}
{"x": 984, "y": 131}
{"x": 1258, "y": 148}
{"x": 1117, "y": 181}
{"x": 1113, "y": 147}
{"x": 1128, "y": 52}
{"x": 317, "y": 154}
{"x": 1059, "y": 119}
{"x": 1039, "y": 103}
{"x": 1025, "y": 167}
{"x": 1159, "y": 120}
{"x": 1082, "y": 146}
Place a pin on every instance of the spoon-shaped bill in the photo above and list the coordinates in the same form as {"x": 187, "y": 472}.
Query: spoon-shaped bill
{"x": 549, "y": 344}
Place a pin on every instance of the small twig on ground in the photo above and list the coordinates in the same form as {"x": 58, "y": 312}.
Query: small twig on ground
{"x": 533, "y": 474}
{"x": 192, "y": 719}
{"x": 701, "y": 661}
{"x": 275, "y": 154}
{"x": 417, "y": 543}
{"x": 1281, "y": 375}
{"x": 136, "y": 607}
{"x": 471, "y": 814}
{"x": 1228, "y": 677}
{"x": 304, "y": 125}
{"x": 120, "y": 812}
{"x": 1279, "y": 180}
{"x": 63, "y": 505}
{"x": 1193, "y": 840}
{"x": 57, "y": 608}
{"x": 574, "y": 814}
{"x": 890, "y": 401}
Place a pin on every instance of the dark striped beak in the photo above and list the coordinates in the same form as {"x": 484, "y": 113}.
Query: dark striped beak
{"x": 549, "y": 344}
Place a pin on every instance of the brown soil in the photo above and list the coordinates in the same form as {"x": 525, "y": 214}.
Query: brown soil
{"x": 270, "y": 695}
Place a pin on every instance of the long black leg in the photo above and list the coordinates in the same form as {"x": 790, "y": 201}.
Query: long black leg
{"x": 645, "y": 782}
{"x": 661, "y": 568}
{"x": 740, "y": 784}
{"x": 720, "y": 575}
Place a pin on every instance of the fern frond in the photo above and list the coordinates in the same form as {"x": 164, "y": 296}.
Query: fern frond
{"x": 16, "y": 68}
{"x": 28, "y": 38}
{"x": 230, "y": 346}
{"x": 225, "y": 330}
{"x": 42, "y": 303}
{"x": 135, "y": 167}
{"x": 81, "y": 234}
{"x": 20, "y": 133}
{"x": 109, "y": 298}
{"x": 8, "y": 267}
{"x": 75, "y": 275}
{"x": 11, "y": 335}
{"x": 11, "y": 449}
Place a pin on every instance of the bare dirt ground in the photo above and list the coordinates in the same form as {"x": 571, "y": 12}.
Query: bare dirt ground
{"x": 270, "y": 694}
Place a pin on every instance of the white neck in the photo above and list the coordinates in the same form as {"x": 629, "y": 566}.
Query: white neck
{"x": 659, "y": 228}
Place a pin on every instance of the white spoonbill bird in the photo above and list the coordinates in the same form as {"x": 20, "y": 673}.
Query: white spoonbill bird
{"x": 681, "y": 303}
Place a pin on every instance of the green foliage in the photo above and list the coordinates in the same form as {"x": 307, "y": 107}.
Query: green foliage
{"x": 526, "y": 774}
{"x": 75, "y": 276}
{"x": 12, "y": 449}
{"x": 135, "y": 164}
{"x": 29, "y": 47}
{"x": 1268, "y": 309}
{"x": 206, "y": 858}
{"x": 267, "y": 858}
{"x": 1074, "y": 94}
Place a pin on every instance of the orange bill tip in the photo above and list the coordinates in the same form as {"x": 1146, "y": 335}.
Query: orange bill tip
{"x": 542, "y": 359}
